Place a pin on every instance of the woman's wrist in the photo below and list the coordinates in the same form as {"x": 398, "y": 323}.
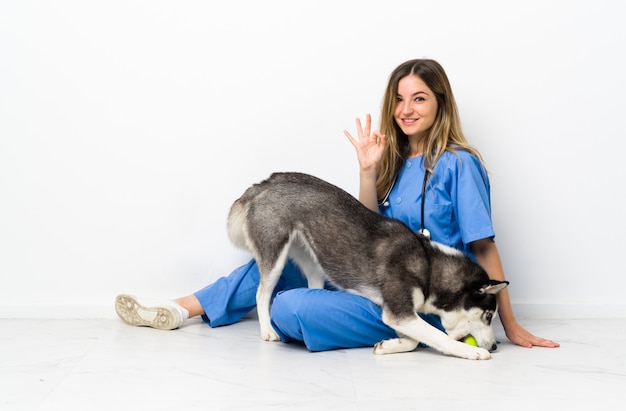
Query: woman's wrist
{"x": 368, "y": 175}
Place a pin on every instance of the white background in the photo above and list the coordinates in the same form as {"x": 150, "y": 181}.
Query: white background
{"x": 127, "y": 128}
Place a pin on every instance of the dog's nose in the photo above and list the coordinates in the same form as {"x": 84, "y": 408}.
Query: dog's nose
{"x": 494, "y": 347}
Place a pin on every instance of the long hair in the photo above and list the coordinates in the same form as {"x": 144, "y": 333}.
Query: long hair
{"x": 444, "y": 135}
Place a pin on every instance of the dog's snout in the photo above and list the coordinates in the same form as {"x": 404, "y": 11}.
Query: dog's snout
{"x": 493, "y": 347}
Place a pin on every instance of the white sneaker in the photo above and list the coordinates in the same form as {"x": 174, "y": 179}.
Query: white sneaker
{"x": 161, "y": 314}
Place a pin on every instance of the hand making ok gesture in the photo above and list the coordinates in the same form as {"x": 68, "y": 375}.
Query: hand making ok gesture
{"x": 369, "y": 146}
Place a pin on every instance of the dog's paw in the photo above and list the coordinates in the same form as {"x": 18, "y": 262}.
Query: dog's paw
{"x": 395, "y": 345}
{"x": 477, "y": 353}
{"x": 269, "y": 335}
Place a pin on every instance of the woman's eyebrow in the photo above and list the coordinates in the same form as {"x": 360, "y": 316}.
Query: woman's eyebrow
{"x": 414, "y": 94}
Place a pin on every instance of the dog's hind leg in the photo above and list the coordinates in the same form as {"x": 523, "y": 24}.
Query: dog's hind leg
{"x": 301, "y": 253}
{"x": 270, "y": 272}
{"x": 395, "y": 345}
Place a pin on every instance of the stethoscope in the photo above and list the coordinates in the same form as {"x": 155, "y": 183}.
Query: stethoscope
{"x": 423, "y": 231}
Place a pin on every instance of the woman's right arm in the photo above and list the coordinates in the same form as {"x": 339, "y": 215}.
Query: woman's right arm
{"x": 369, "y": 150}
{"x": 367, "y": 190}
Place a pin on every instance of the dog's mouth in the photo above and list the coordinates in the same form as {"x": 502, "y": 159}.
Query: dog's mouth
{"x": 470, "y": 340}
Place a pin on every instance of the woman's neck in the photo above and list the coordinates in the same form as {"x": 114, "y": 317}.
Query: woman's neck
{"x": 416, "y": 147}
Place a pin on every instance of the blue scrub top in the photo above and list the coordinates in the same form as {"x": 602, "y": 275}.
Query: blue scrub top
{"x": 457, "y": 210}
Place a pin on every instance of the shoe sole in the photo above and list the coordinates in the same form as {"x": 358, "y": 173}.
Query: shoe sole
{"x": 133, "y": 313}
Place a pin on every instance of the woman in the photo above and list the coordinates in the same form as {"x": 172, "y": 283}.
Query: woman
{"x": 420, "y": 154}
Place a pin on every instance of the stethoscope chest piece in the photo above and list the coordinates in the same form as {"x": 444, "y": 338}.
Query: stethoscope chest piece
{"x": 424, "y": 233}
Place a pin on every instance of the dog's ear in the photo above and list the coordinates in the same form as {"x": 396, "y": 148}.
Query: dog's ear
{"x": 493, "y": 287}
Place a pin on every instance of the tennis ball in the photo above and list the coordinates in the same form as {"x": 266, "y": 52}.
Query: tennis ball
{"x": 470, "y": 340}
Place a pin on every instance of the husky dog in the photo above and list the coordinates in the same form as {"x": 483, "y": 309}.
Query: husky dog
{"x": 333, "y": 237}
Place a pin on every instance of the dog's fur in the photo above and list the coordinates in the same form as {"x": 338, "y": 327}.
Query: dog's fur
{"x": 333, "y": 237}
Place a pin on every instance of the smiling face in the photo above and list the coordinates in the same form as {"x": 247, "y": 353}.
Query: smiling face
{"x": 416, "y": 108}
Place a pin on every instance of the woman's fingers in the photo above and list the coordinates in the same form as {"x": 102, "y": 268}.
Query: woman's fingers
{"x": 368, "y": 125}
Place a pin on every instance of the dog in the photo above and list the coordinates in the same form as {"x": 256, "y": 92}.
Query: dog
{"x": 332, "y": 237}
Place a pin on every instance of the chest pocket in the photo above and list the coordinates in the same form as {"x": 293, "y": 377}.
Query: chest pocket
{"x": 439, "y": 214}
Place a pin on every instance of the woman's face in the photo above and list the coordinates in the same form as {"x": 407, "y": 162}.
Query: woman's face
{"x": 416, "y": 107}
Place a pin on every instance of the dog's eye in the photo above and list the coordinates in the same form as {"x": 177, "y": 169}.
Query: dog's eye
{"x": 489, "y": 316}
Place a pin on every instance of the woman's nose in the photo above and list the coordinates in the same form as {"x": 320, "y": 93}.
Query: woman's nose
{"x": 406, "y": 107}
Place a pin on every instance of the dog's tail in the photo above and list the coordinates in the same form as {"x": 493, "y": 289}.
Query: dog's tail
{"x": 238, "y": 216}
{"x": 236, "y": 223}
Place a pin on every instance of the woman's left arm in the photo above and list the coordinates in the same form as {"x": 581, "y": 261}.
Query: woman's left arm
{"x": 487, "y": 256}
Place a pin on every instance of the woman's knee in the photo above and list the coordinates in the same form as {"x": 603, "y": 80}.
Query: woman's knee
{"x": 282, "y": 304}
{"x": 285, "y": 315}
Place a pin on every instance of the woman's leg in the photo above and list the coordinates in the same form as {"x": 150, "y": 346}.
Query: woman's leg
{"x": 327, "y": 320}
{"x": 191, "y": 304}
{"x": 224, "y": 302}
{"x": 230, "y": 298}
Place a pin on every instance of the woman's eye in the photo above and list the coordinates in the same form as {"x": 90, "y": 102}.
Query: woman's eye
{"x": 419, "y": 99}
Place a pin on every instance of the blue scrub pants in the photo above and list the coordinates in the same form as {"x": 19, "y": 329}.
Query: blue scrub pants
{"x": 322, "y": 319}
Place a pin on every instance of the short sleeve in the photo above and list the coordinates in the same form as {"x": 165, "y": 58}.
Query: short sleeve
{"x": 470, "y": 191}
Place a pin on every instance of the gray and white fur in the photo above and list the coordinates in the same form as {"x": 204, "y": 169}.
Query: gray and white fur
{"x": 333, "y": 237}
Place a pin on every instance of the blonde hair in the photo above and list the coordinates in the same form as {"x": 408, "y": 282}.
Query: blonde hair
{"x": 445, "y": 133}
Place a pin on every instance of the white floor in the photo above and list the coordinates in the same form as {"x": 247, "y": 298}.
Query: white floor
{"x": 107, "y": 365}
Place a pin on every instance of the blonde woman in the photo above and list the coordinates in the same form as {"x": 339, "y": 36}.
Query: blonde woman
{"x": 419, "y": 169}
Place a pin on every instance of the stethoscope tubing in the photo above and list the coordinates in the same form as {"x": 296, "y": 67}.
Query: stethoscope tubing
{"x": 422, "y": 231}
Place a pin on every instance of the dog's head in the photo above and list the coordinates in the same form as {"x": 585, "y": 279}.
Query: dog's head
{"x": 475, "y": 314}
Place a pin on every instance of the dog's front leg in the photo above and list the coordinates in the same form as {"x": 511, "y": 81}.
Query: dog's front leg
{"x": 419, "y": 330}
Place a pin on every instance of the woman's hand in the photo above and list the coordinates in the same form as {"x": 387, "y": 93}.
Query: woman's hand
{"x": 369, "y": 146}
{"x": 488, "y": 257}
{"x": 520, "y": 336}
